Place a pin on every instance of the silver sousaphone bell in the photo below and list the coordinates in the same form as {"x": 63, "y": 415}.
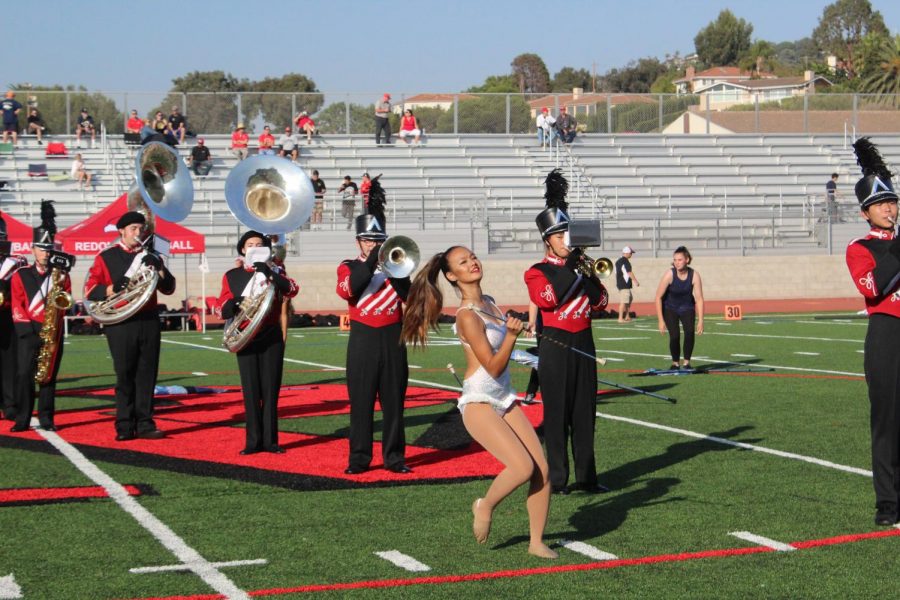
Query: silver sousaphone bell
{"x": 269, "y": 194}
{"x": 398, "y": 256}
{"x": 163, "y": 182}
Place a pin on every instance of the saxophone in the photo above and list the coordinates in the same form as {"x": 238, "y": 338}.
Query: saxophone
{"x": 57, "y": 300}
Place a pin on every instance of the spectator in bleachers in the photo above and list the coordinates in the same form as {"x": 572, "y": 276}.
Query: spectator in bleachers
{"x": 200, "y": 159}
{"x": 36, "y": 125}
{"x": 306, "y": 125}
{"x": 831, "y": 198}
{"x": 134, "y": 124}
{"x": 239, "y": 142}
{"x": 10, "y": 108}
{"x": 348, "y": 191}
{"x": 266, "y": 142}
{"x": 409, "y": 126}
{"x": 319, "y": 204}
{"x": 287, "y": 145}
{"x": 159, "y": 122}
{"x": 79, "y": 172}
{"x": 565, "y": 125}
{"x": 85, "y": 125}
{"x": 546, "y": 130}
{"x": 177, "y": 124}
{"x": 364, "y": 188}
{"x": 382, "y": 120}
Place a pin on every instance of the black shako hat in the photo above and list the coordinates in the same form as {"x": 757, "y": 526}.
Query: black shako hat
{"x": 44, "y": 234}
{"x": 370, "y": 226}
{"x": 875, "y": 185}
{"x": 554, "y": 218}
{"x": 267, "y": 242}
{"x": 130, "y": 218}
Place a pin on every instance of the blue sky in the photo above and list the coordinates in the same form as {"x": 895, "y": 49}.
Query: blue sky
{"x": 365, "y": 46}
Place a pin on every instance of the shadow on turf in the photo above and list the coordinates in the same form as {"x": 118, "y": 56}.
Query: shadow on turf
{"x": 621, "y": 394}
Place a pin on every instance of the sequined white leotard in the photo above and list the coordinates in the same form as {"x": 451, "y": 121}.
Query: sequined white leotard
{"x": 480, "y": 387}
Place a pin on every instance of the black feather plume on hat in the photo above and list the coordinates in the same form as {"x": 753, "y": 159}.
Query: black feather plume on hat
{"x": 377, "y": 201}
{"x": 557, "y": 189}
{"x": 869, "y": 159}
{"x": 48, "y": 217}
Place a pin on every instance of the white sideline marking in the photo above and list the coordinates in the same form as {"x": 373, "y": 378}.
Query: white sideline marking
{"x": 622, "y": 339}
{"x": 744, "y": 355}
{"x": 807, "y": 353}
{"x": 763, "y": 322}
{"x": 206, "y": 338}
{"x": 200, "y": 374}
{"x": 861, "y": 351}
{"x": 787, "y": 337}
{"x": 168, "y": 538}
{"x": 745, "y": 446}
{"x": 615, "y": 359}
{"x": 9, "y": 589}
{"x": 835, "y": 322}
{"x": 403, "y": 561}
{"x": 218, "y": 565}
{"x": 587, "y": 550}
{"x": 724, "y": 324}
{"x": 762, "y": 541}
{"x": 728, "y": 362}
{"x": 415, "y": 366}
{"x": 297, "y": 336}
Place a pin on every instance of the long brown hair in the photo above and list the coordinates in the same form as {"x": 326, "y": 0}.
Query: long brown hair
{"x": 425, "y": 301}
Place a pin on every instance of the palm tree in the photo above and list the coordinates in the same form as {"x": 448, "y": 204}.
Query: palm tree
{"x": 885, "y": 79}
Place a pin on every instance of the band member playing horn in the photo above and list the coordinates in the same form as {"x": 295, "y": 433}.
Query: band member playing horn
{"x": 874, "y": 263}
{"x": 261, "y": 360}
{"x": 565, "y": 297}
{"x": 8, "y": 266}
{"x": 376, "y": 359}
{"x": 40, "y": 295}
{"x": 134, "y": 342}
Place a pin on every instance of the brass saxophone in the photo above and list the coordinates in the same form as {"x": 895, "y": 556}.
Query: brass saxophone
{"x": 57, "y": 300}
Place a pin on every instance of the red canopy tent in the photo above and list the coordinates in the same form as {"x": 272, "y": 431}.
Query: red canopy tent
{"x": 19, "y": 234}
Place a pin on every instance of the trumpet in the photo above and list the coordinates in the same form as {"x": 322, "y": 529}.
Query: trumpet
{"x": 600, "y": 268}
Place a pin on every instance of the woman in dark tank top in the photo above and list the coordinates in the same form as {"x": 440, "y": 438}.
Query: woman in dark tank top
{"x": 679, "y": 299}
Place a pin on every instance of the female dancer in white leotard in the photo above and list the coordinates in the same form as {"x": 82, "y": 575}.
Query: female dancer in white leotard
{"x": 488, "y": 402}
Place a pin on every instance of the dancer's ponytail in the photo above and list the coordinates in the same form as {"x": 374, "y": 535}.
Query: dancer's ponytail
{"x": 425, "y": 301}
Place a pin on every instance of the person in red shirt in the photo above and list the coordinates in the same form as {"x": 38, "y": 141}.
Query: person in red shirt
{"x": 30, "y": 287}
{"x": 376, "y": 359}
{"x": 306, "y": 125}
{"x": 874, "y": 264}
{"x": 239, "y": 142}
{"x": 134, "y": 124}
{"x": 409, "y": 126}
{"x": 266, "y": 142}
{"x": 364, "y": 186}
{"x": 565, "y": 298}
{"x": 261, "y": 361}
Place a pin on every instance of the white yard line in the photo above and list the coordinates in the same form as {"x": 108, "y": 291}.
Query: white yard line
{"x": 218, "y": 565}
{"x": 744, "y": 355}
{"x": 784, "y": 337}
{"x": 731, "y": 362}
{"x": 745, "y": 446}
{"x": 403, "y": 561}
{"x": 807, "y": 353}
{"x": 168, "y": 538}
{"x": 587, "y": 550}
{"x": 762, "y": 541}
{"x": 859, "y": 323}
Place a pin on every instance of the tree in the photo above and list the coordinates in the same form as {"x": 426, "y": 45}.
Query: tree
{"x": 635, "y": 78}
{"x": 842, "y": 27}
{"x": 723, "y": 41}
{"x": 277, "y": 107}
{"x": 531, "y": 74}
{"x": 51, "y": 102}
{"x": 211, "y": 100}
{"x": 568, "y": 78}
{"x": 885, "y": 77}
{"x": 496, "y": 84}
{"x": 761, "y": 55}
{"x": 488, "y": 115}
{"x": 334, "y": 119}
{"x": 797, "y": 55}
{"x": 664, "y": 84}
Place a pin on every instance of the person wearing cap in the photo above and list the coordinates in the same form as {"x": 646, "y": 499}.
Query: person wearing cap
{"x": 10, "y": 108}
{"x": 565, "y": 126}
{"x": 306, "y": 125}
{"x": 376, "y": 359}
{"x": 382, "y": 120}
{"x": 546, "y": 132}
{"x": 134, "y": 342}
{"x": 29, "y": 289}
{"x": 200, "y": 158}
{"x": 287, "y": 145}
{"x": 239, "y": 142}
{"x": 625, "y": 281}
{"x": 874, "y": 264}
{"x": 84, "y": 125}
{"x": 679, "y": 305}
{"x": 8, "y": 265}
{"x": 261, "y": 361}
{"x": 565, "y": 297}
{"x": 134, "y": 123}
{"x": 178, "y": 124}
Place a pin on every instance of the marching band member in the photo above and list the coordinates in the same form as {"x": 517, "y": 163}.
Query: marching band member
{"x": 874, "y": 263}
{"x": 261, "y": 361}
{"x": 8, "y": 266}
{"x": 376, "y": 359}
{"x": 565, "y": 298}
{"x": 30, "y": 288}
{"x": 133, "y": 343}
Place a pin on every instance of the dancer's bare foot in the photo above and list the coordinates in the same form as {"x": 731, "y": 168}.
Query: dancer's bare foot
{"x": 541, "y": 551}
{"x": 481, "y": 524}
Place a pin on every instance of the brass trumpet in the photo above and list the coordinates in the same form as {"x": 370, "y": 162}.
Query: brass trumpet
{"x": 600, "y": 268}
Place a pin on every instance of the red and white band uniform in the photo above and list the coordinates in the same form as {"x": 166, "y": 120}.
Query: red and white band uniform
{"x": 8, "y": 266}
{"x": 376, "y": 360}
{"x": 568, "y": 380}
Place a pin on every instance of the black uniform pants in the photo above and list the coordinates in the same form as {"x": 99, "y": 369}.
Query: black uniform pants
{"x": 27, "y": 348}
{"x": 376, "y": 366}
{"x": 134, "y": 346}
{"x": 672, "y": 318}
{"x": 261, "y": 363}
{"x": 382, "y": 124}
{"x": 7, "y": 365}
{"x": 882, "y": 366}
{"x": 569, "y": 390}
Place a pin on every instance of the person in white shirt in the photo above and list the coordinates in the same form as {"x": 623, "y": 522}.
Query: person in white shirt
{"x": 545, "y": 127}
{"x": 79, "y": 173}
{"x": 288, "y": 144}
